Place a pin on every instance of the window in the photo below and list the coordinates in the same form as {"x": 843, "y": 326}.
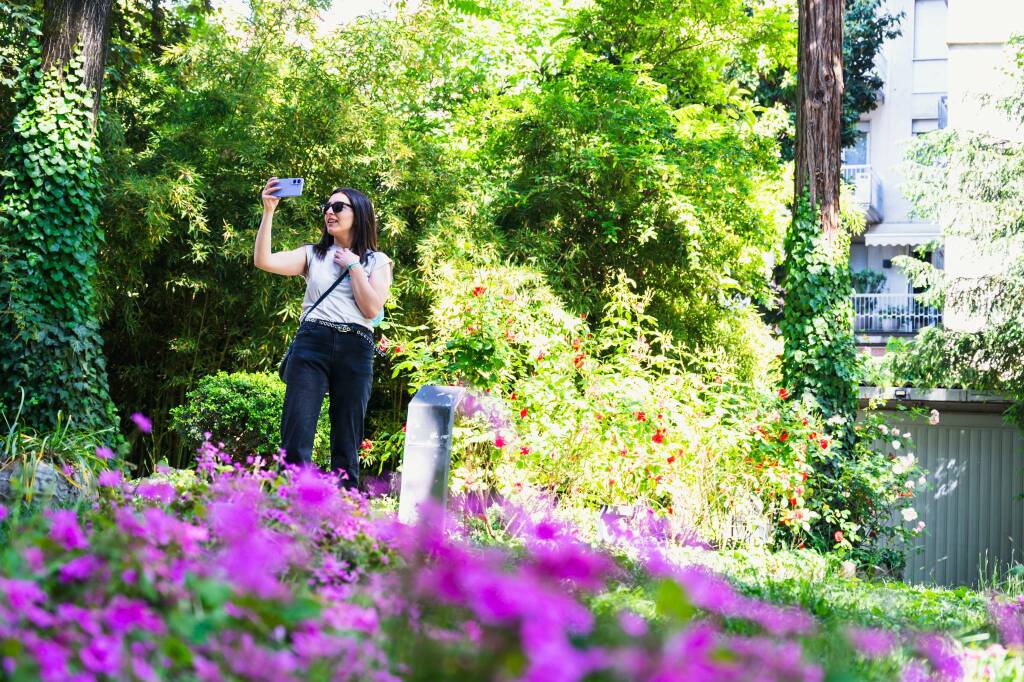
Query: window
{"x": 930, "y": 29}
{"x": 920, "y": 126}
{"x": 857, "y": 154}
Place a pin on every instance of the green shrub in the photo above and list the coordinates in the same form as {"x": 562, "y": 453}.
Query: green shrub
{"x": 242, "y": 410}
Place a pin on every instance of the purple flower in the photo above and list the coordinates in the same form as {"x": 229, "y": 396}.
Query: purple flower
{"x": 632, "y": 624}
{"x": 65, "y": 531}
{"x": 158, "y": 491}
{"x": 103, "y": 452}
{"x": 125, "y": 615}
{"x": 3, "y": 512}
{"x": 315, "y": 496}
{"x": 111, "y": 478}
{"x": 872, "y": 643}
{"x": 939, "y": 653}
{"x": 52, "y": 659}
{"x": 79, "y": 568}
{"x": 21, "y": 594}
{"x": 102, "y": 655}
{"x": 143, "y": 422}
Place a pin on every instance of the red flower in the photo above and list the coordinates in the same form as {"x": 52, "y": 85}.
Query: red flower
{"x": 524, "y": 451}
{"x": 659, "y": 436}
{"x": 499, "y": 442}
{"x": 540, "y": 356}
{"x": 824, "y": 443}
{"x": 404, "y": 427}
{"x": 577, "y": 361}
{"x": 523, "y": 412}
{"x": 611, "y": 482}
{"x": 367, "y": 444}
{"x": 670, "y": 459}
{"x": 477, "y": 291}
{"x": 803, "y": 475}
{"x": 576, "y": 344}
{"x": 397, "y": 349}
{"x": 783, "y": 393}
{"x": 792, "y": 502}
{"x": 472, "y": 329}
{"x": 813, "y": 435}
{"x": 512, "y": 397}
{"x": 839, "y": 536}
{"x": 641, "y": 417}
{"x": 784, "y": 436}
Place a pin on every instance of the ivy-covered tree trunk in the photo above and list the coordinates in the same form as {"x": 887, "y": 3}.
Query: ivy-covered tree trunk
{"x": 82, "y": 28}
{"x": 50, "y": 345}
{"x": 820, "y": 356}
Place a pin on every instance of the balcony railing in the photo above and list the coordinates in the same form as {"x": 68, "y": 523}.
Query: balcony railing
{"x": 892, "y": 314}
{"x": 867, "y": 190}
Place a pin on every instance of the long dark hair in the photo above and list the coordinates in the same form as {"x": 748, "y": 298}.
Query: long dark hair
{"x": 364, "y": 225}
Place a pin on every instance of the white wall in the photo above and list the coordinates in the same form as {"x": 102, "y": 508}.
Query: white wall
{"x": 916, "y": 76}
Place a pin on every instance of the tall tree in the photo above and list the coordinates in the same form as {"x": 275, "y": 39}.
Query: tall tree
{"x": 51, "y": 357}
{"x": 819, "y": 111}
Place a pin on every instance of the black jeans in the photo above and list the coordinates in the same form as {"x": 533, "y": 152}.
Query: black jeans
{"x": 326, "y": 360}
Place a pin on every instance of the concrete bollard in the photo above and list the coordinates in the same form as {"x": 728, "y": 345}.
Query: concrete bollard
{"x": 428, "y": 449}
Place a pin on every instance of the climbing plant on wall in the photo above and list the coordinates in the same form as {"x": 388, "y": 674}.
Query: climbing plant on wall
{"x": 50, "y": 346}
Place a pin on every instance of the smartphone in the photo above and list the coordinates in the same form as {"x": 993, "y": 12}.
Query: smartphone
{"x": 288, "y": 187}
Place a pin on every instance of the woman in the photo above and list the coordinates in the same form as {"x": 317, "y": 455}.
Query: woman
{"x": 333, "y": 351}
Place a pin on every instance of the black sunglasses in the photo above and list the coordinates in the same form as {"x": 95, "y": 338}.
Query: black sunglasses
{"x": 337, "y": 207}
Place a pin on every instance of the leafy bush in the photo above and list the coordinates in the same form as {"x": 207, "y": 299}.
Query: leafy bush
{"x": 244, "y": 573}
{"x": 617, "y": 415}
{"x": 244, "y": 409}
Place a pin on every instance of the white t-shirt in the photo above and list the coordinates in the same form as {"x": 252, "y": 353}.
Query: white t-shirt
{"x": 340, "y": 305}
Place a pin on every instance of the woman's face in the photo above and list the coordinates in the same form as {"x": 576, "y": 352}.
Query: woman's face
{"x": 340, "y": 222}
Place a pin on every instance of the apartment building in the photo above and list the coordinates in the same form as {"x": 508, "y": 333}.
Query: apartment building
{"x": 950, "y": 54}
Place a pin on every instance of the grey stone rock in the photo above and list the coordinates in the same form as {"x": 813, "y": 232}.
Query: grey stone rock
{"x": 48, "y": 485}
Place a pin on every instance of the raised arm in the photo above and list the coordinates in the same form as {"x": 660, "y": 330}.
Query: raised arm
{"x": 283, "y": 262}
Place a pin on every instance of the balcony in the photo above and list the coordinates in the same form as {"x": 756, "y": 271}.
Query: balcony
{"x": 892, "y": 314}
{"x": 867, "y": 190}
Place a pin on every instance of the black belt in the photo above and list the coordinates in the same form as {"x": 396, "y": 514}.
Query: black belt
{"x": 357, "y": 329}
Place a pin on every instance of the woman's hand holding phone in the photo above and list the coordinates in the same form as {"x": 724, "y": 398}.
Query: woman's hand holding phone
{"x": 269, "y": 200}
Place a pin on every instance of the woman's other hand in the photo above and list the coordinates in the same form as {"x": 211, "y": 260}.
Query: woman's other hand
{"x": 345, "y": 257}
{"x": 269, "y": 200}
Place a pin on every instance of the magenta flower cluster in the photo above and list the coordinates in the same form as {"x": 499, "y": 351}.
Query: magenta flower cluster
{"x": 250, "y": 571}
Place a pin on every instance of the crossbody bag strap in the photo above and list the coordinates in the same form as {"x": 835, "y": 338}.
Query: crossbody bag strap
{"x": 323, "y": 296}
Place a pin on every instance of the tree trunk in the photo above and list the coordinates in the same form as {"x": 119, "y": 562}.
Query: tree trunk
{"x": 819, "y": 111}
{"x": 156, "y": 16}
{"x": 68, "y": 24}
